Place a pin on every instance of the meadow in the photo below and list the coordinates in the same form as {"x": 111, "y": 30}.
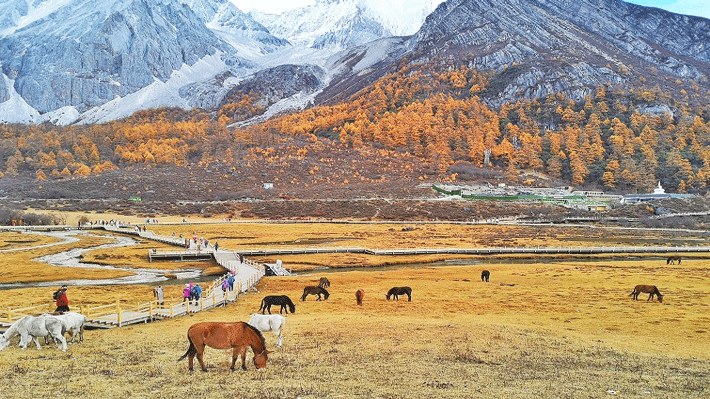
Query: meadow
{"x": 562, "y": 328}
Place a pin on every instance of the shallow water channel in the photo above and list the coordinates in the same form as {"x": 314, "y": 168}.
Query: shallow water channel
{"x": 72, "y": 258}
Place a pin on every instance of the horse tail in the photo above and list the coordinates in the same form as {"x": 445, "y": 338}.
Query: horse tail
{"x": 190, "y": 350}
{"x": 263, "y": 305}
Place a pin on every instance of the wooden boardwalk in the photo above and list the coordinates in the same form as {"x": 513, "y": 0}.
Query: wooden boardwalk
{"x": 482, "y": 250}
{"x": 246, "y": 274}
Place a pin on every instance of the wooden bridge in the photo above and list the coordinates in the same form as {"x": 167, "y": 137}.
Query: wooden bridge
{"x": 246, "y": 274}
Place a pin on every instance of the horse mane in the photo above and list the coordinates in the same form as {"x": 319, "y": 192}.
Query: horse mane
{"x": 256, "y": 330}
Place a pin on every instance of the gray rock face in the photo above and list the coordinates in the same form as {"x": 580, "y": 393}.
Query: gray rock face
{"x": 4, "y": 90}
{"x": 563, "y": 46}
{"x": 102, "y": 56}
{"x": 274, "y": 84}
{"x": 84, "y": 54}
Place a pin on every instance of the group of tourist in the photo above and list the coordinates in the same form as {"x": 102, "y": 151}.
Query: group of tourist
{"x": 228, "y": 283}
{"x": 192, "y": 293}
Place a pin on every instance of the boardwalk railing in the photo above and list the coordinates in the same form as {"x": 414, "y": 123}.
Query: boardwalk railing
{"x": 478, "y": 251}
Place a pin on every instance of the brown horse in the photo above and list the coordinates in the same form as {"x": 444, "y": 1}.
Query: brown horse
{"x": 672, "y": 260}
{"x": 649, "y": 289}
{"x": 397, "y": 291}
{"x": 220, "y": 335}
{"x": 313, "y": 290}
{"x": 359, "y": 294}
{"x": 324, "y": 282}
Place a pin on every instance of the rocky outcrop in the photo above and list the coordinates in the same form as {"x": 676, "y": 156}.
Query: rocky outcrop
{"x": 89, "y": 65}
{"x": 542, "y": 47}
{"x": 275, "y": 84}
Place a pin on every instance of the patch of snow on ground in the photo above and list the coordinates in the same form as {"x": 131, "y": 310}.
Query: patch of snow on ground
{"x": 62, "y": 117}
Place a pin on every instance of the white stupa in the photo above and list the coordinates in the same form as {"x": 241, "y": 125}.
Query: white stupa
{"x": 659, "y": 189}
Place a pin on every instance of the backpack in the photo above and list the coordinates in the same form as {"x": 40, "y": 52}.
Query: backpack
{"x": 55, "y": 296}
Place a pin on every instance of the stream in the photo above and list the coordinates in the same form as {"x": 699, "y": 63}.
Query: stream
{"x": 72, "y": 258}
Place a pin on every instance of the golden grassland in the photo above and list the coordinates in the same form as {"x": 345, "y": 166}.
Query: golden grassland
{"x": 557, "y": 329}
{"x": 551, "y": 330}
{"x": 246, "y": 236}
{"x": 15, "y": 240}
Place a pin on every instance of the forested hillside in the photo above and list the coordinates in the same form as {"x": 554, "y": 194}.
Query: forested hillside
{"x": 616, "y": 139}
{"x": 624, "y": 140}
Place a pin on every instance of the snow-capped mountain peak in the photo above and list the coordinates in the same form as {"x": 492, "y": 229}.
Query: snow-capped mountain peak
{"x": 345, "y": 23}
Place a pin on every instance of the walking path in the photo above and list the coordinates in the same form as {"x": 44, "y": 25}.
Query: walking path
{"x": 246, "y": 274}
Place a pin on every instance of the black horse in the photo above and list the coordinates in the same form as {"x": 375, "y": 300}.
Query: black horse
{"x": 397, "y": 291}
{"x": 672, "y": 260}
{"x": 485, "y": 275}
{"x": 315, "y": 290}
{"x": 281, "y": 300}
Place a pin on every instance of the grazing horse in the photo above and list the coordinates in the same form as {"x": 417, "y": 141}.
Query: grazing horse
{"x": 30, "y": 328}
{"x": 672, "y": 260}
{"x": 359, "y": 294}
{"x": 220, "y": 335}
{"x": 324, "y": 282}
{"x": 72, "y": 322}
{"x": 269, "y": 322}
{"x": 397, "y": 291}
{"x": 649, "y": 289}
{"x": 315, "y": 291}
{"x": 485, "y": 275}
{"x": 281, "y": 300}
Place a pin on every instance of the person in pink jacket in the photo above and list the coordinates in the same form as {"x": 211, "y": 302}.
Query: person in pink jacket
{"x": 186, "y": 292}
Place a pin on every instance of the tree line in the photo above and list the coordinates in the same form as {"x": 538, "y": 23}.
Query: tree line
{"x": 618, "y": 139}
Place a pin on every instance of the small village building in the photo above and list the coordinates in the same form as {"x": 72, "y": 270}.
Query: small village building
{"x": 659, "y": 193}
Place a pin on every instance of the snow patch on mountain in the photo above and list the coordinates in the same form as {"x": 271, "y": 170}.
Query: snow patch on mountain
{"x": 15, "y": 109}
{"x": 62, "y": 116}
{"x": 158, "y": 94}
{"x": 20, "y": 13}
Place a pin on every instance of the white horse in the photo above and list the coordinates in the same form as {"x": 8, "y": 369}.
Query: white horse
{"x": 269, "y": 322}
{"x": 71, "y": 322}
{"x": 30, "y": 328}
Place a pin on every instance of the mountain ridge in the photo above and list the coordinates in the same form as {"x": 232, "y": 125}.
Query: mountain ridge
{"x": 66, "y": 61}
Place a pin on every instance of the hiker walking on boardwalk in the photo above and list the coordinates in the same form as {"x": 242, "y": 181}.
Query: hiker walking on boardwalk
{"x": 186, "y": 292}
{"x": 230, "y": 281}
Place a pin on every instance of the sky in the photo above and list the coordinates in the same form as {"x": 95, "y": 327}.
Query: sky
{"x": 700, "y": 8}
{"x": 690, "y": 7}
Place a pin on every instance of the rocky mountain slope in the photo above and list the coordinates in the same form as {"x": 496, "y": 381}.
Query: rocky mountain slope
{"x": 73, "y": 60}
{"x": 541, "y": 47}
{"x": 69, "y": 60}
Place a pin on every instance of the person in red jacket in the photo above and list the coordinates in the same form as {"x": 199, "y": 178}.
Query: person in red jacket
{"x": 62, "y": 300}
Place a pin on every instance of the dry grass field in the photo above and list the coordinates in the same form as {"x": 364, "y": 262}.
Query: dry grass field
{"x": 564, "y": 329}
